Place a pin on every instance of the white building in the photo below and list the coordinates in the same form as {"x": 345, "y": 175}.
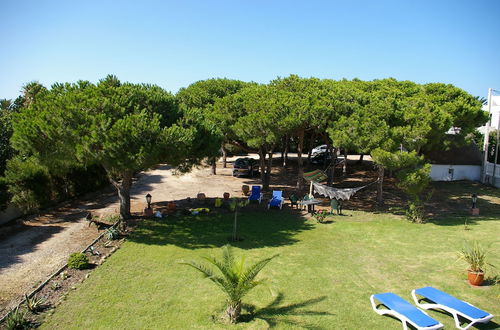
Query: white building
{"x": 459, "y": 163}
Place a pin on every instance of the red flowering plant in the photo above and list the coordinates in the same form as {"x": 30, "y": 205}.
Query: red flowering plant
{"x": 320, "y": 215}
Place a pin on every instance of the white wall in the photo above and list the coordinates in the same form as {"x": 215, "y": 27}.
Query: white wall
{"x": 455, "y": 172}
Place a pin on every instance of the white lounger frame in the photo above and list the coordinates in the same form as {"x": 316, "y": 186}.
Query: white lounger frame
{"x": 401, "y": 317}
{"x": 452, "y": 311}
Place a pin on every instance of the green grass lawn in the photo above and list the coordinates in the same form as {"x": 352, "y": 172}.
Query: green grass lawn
{"x": 323, "y": 277}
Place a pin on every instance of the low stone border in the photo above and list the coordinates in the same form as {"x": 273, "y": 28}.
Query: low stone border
{"x": 57, "y": 272}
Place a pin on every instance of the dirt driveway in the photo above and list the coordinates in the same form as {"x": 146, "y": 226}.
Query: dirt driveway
{"x": 29, "y": 256}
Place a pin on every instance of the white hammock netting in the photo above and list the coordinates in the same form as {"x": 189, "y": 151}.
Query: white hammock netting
{"x": 337, "y": 193}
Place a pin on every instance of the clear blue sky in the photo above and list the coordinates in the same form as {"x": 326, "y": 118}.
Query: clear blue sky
{"x": 175, "y": 43}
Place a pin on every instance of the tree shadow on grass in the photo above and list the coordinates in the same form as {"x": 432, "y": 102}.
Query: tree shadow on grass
{"x": 257, "y": 228}
{"x": 276, "y": 312}
{"x": 460, "y": 220}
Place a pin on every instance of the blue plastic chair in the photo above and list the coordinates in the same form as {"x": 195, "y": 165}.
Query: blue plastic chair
{"x": 277, "y": 199}
{"x": 256, "y": 195}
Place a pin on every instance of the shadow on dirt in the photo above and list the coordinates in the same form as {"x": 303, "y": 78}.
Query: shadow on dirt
{"x": 11, "y": 250}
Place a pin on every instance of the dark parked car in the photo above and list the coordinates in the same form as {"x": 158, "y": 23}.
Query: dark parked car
{"x": 325, "y": 158}
{"x": 245, "y": 167}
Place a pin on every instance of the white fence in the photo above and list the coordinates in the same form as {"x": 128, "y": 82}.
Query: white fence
{"x": 490, "y": 178}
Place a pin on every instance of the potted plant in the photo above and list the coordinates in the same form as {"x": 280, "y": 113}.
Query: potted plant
{"x": 475, "y": 255}
{"x": 320, "y": 216}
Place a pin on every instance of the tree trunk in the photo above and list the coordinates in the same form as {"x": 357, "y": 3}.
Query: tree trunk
{"x": 285, "y": 158}
{"x": 262, "y": 165}
{"x": 331, "y": 168}
{"x": 123, "y": 189}
{"x": 269, "y": 168}
{"x": 360, "y": 161}
{"x": 233, "y": 311}
{"x": 300, "y": 179}
{"x": 380, "y": 197}
{"x": 344, "y": 169}
{"x": 214, "y": 166}
{"x": 224, "y": 156}
{"x": 309, "y": 153}
{"x": 235, "y": 225}
{"x": 282, "y": 151}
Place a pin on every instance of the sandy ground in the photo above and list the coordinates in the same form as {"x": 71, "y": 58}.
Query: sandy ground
{"x": 28, "y": 257}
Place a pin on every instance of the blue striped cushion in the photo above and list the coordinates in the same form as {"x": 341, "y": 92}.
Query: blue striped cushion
{"x": 398, "y": 304}
{"x": 440, "y": 297}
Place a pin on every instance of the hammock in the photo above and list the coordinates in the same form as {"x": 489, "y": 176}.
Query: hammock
{"x": 315, "y": 176}
{"x": 337, "y": 193}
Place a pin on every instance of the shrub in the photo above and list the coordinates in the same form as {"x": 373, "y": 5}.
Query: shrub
{"x": 78, "y": 261}
{"x": 235, "y": 280}
{"x": 55, "y": 285}
{"x": 28, "y": 183}
{"x": 320, "y": 215}
{"x": 35, "y": 303}
{"x": 4, "y": 194}
{"x": 17, "y": 320}
{"x": 474, "y": 255}
{"x": 33, "y": 187}
{"x": 112, "y": 233}
{"x": 415, "y": 212}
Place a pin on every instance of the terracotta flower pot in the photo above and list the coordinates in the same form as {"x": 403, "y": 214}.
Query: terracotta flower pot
{"x": 475, "y": 278}
{"x": 171, "y": 206}
{"x": 148, "y": 212}
{"x": 245, "y": 189}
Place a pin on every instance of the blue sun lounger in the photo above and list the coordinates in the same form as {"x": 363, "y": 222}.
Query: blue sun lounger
{"x": 277, "y": 199}
{"x": 256, "y": 195}
{"x": 403, "y": 310}
{"x": 437, "y": 299}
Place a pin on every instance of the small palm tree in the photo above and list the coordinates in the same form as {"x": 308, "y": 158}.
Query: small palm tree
{"x": 235, "y": 280}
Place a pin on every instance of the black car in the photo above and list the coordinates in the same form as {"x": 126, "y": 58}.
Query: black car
{"x": 325, "y": 158}
{"x": 245, "y": 167}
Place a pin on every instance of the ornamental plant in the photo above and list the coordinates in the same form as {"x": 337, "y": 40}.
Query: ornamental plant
{"x": 474, "y": 255}
{"x": 78, "y": 260}
{"x": 320, "y": 216}
{"x": 232, "y": 277}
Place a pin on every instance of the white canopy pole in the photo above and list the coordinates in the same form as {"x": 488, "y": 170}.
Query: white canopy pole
{"x": 496, "y": 151}
{"x": 486, "y": 139}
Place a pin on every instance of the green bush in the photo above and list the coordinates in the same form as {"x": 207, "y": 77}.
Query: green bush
{"x": 28, "y": 183}
{"x": 33, "y": 187}
{"x": 415, "y": 212}
{"x": 112, "y": 233}
{"x": 4, "y": 194}
{"x": 17, "y": 320}
{"x": 78, "y": 261}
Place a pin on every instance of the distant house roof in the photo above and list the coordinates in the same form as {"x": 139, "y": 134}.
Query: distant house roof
{"x": 463, "y": 155}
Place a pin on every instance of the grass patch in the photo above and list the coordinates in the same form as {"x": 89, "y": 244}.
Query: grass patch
{"x": 323, "y": 277}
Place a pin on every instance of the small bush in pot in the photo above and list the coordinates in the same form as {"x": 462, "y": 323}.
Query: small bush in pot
{"x": 475, "y": 256}
{"x": 78, "y": 261}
